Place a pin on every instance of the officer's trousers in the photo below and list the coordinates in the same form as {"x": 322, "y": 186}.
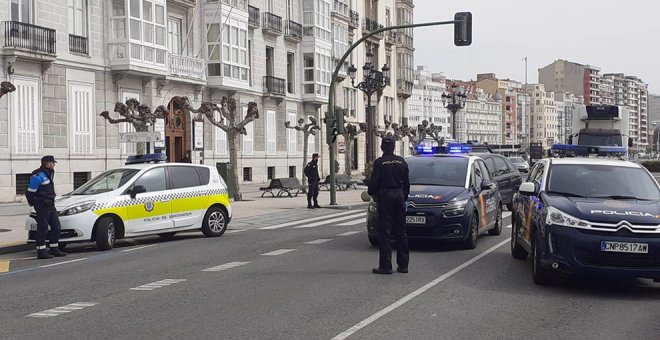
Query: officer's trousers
{"x": 391, "y": 225}
{"x": 313, "y": 192}
{"x": 47, "y": 215}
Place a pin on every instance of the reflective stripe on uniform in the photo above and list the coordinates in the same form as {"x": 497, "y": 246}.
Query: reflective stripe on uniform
{"x": 53, "y": 245}
{"x": 41, "y": 247}
{"x": 45, "y": 182}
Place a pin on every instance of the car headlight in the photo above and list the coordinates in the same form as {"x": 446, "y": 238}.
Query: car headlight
{"x": 77, "y": 209}
{"x": 457, "y": 204}
{"x": 557, "y": 217}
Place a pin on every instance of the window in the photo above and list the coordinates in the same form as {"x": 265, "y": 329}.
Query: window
{"x": 77, "y": 21}
{"x": 340, "y": 37}
{"x": 152, "y": 180}
{"x": 292, "y": 135}
{"x": 106, "y": 182}
{"x": 271, "y": 172}
{"x": 22, "y": 181}
{"x": 271, "y": 133}
{"x": 308, "y": 72}
{"x": 292, "y": 171}
{"x": 21, "y": 10}
{"x": 81, "y": 117}
{"x": 213, "y": 45}
{"x": 247, "y": 174}
{"x": 234, "y": 51}
{"x": 204, "y": 174}
{"x": 118, "y": 21}
{"x": 80, "y": 178}
{"x": 220, "y": 136}
{"x": 147, "y": 27}
{"x": 25, "y": 107}
{"x": 183, "y": 177}
{"x": 490, "y": 165}
{"x": 311, "y": 143}
{"x": 484, "y": 171}
{"x": 248, "y": 139}
{"x": 478, "y": 177}
{"x": 174, "y": 35}
{"x": 500, "y": 166}
{"x": 290, "y": 73}
{"x": 350, "y": 101}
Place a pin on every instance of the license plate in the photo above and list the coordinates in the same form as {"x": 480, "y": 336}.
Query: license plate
{"x": 416, "y": 219}
{"x": 624, "y": 247}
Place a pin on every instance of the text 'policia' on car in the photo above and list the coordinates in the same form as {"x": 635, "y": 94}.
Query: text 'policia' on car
{"x": 588, "y": 216}
{"x": 452, "y": 197}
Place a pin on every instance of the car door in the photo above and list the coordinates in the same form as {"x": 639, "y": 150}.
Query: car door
{"x": 150, "y": 211}
{"x": 530, "y": 205}
{"x": 514, "y": 175}
{"x": 189, "y": 196}
{"x": 483, "y": 195}
{"x": 491, "y": 195}
{"x": 503, "y": 178}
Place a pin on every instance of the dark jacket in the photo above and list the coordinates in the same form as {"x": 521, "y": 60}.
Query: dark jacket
{"x": 312, "y": 172}
{"x": 41, "y": 190}
{"x": 390, "y": 172}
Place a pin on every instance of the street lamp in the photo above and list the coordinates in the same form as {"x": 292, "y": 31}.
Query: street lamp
{"x": 373, "y": 82}
{"x": 454, "y": 102}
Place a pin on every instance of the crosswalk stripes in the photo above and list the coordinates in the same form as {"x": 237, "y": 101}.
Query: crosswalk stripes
{"x": 62, "y": 310}
{"x": 349, "y": 233}
{"x": 278, "y": 252}
{"x": 319, "y": 241}
{"x": 158, "y": 284}
{"x": 338, "y": 219}
{"x": 292, "y": 223}
{"x": 358, "y": 221}
{"x": 225, "y": 266}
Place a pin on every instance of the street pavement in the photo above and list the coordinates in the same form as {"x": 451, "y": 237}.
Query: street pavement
{"x": 309, "y": 277}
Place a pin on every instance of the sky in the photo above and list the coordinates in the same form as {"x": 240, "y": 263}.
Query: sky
{"x": 617, "y": 36}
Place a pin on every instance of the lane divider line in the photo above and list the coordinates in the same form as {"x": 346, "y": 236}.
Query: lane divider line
{"x": 278, "y": 252}
{"x": 138, "y": 248}
{"x": 349, "y": 233}
{"x": 319, "y": 241}
{"x": 338, "y": 219}
{"x": 225, "y": 266}
{"x": 288, "y": 224}
{"x": 62, "y": 310}
{"x": 158, "y": 284}
{"x": 65, "y": 262}
{"x": 364, "y": 323}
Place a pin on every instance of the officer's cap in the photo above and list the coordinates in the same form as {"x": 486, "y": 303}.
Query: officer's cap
{"x": 48, "y": 158}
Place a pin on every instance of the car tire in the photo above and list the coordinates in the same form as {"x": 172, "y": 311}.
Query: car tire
{"x": 373, "y": 240}
{"x": 473, "y": 233}
{"x": 215, "y": 222}
{"x": 540, "y": 275}
{"x": 497, "y": 229}
{"x": 517, "y": 251}
{"x": 106, "y": 233}
{"x": 509, "y": 206}
{"x": 167, "y": 236}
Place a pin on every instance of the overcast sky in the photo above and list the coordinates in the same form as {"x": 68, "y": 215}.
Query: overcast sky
{"x": 504, "y": 31}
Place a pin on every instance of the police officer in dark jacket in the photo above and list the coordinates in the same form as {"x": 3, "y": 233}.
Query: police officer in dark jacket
{"x": 389, "y": 186}
{"x": 41, "y": 195}
{"x": 313, "y": 178}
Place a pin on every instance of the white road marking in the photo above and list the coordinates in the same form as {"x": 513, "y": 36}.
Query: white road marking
{"x": 62, "y": 310}
{"x": 233, "y": 231}
{"x": 278, "y": 252}
{"x": 358, "y": 221}
{"x": 59, "y": 263}
{"x": 319, "y": 241}
{"x": 402, "y": 301}
{"x": 138, "y": 248}
{"x": 349, "y": 233}
{"x": 331, "y": 221}
{"x": 224, "y": 266}
{"x": 288, "y": 224}
{"x": 158, "y": 284}
{"x": 506, "y": 214}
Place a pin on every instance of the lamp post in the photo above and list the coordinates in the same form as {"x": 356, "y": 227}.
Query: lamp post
{"x": 454, "y": 102}
{"x": 373, "y": 81}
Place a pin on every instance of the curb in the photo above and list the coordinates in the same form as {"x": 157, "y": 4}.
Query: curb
{"x": 15, "y": 248}
{"x": 347, "y": 207}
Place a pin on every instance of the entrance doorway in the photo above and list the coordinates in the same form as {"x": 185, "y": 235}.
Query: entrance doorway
{"x": 176, "y": 141}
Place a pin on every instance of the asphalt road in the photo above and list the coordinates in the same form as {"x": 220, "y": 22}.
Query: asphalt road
{"x": 310, "y": 283}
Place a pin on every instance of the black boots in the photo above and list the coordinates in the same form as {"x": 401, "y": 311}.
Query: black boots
{"x": 381, "y": 271}
{"x": 46, "y": 254}
{"x": 42, "y": 254}
{"x": 316, "y": 205}
{"x": 55, "y": 251}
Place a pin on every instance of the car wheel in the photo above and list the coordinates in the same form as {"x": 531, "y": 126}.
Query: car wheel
{"x": 497, "y": 229}
{"x": 167, "y": 236}
{"x": 517, "y": 251}
{"x": 215, "y": 222}
{"x": 473, "y": 233}
{"x": 106, "y": 233}
{"x": 540, "y": 275}
{"x": 509, "y": 206}
{"x": 373, "y": 240}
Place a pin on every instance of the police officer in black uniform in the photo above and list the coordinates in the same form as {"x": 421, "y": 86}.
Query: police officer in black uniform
{"x": 313, "y": 179}
{"x": 41, "y": 195}
{"x": 389, "y": 186}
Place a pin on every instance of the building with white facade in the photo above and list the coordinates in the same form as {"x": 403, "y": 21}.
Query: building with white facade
{"x": 71, "y": 60}
{"x": 426, "y": 101}
{"x": 506, "y": 91}
{"x": 566, "y": 104}
{"x": 543, "y": 115}
{"x": 632, "y": 92}
{"x": 481, "y": 118}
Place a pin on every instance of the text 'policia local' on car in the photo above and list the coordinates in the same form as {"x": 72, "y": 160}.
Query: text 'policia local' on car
{"x": 588, "y": 216}
{"x": 143, "y": 199}
{"x": 452, "y": 197}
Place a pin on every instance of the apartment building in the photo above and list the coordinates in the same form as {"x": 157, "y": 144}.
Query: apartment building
{"x": 566, "y": 104}
{"x": 543, "y": 116}
{"x": 566, "y": 76}
{"x": 506, "y": 91}
{"x": 426, "y": 100}
{"x": 481, "y": 118}
{"x": 632, "y": 92}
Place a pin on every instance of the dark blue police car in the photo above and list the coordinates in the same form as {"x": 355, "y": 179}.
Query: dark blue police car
{"x": 588, "y": 216}
{"x": 452, "y": 198}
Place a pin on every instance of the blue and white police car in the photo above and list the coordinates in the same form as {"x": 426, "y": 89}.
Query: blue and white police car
{"x": 588, "y": 216}
{"x": 452, "y": 197}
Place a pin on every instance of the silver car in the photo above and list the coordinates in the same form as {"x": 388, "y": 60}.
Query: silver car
{"x": 520, "y": 164}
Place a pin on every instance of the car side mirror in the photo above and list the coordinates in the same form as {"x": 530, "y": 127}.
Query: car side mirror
{"x": 138, "y": 189}
{"x": 486, "y": 185}
{"x": 527, "y": 189}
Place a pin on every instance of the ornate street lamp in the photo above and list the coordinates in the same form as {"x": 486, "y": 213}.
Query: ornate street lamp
{"x": 373, "y": 82}
{"x": 454, "y": 102}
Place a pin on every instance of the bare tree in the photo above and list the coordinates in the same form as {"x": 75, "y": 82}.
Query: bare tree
{"x": 308, "y": 129}
{"x": 233, "y": 125}
{"x": 6, "y": 87}
{"x": 138, "y": 115}
{"x": 417, "y": 135}
{"x": 351, "y": 132}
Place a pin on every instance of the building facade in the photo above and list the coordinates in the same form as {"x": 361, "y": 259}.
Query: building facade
{"x": 632, "y": 92}
{"x": 426, "y": 101}
{"x": 566, "y": 76}
{"x": 481, "y": 118}
{"x": 543, "y": 116}
{"x": 506, "y": 91}
{"x": 566, "y": 104}
{"x": 71, "y": 60}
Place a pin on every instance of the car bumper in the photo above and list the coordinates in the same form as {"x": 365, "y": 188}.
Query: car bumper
{"x": 437, "y": 227}
{"x": 578, "y": 252}
{"x": 75, "y": 228}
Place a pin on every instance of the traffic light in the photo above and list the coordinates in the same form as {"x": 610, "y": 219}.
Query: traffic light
{"x": 329, "y": 130}
{"x": 339, "y": 121}
{"x": 463, "y": 29}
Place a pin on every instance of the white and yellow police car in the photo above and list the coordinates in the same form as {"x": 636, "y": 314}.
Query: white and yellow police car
{"x": 143, "y": 198}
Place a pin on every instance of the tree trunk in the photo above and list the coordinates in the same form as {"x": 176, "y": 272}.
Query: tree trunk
{"x": 141, "y": 147}
{"x": 305, "y": 150}
{"x": 348, "y": 159}
{"x": 232, "y": 137}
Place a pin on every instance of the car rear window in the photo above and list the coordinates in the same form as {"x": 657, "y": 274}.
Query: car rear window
{"x": 204, "y": 174}
{"x": 183, "y": 177}
{"x": 445, "y": 171}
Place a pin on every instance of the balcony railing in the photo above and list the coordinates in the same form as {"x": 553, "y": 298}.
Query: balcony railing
{"x": 275, "y": 86}
{"x": 187, "y": 67}
{"x": 78, "y": 44}
{"x": 371, "y": 25}
{"x": 31, "y": 37}
{"x": 404, "y": 88}
{"x": 390, "y": 37}
{"x": 241, "y": 4}
{"x": 404, "y": 40}
{"x": 253, "y": 14}
{"x": 293, "y": 31}
{"x": 272, "y": 24}
{"x": 341, "y": 8}
{"x": 354, "y": 20}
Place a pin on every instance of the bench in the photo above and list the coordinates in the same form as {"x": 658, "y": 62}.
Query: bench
{"x": 342, "y": 181}
{"x": 289, "y": 186}
{"x": 274, "y": 185}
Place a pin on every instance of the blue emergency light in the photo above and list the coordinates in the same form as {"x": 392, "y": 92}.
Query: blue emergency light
{"x": 427, "y": 150}
{"x": 457, "y": 148}
{"x": 588, "y": 150}
{"x": 153, "y": 157}
{"x": 451, "y": 149}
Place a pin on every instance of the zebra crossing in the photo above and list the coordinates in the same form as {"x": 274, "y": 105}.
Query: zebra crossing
{"x": 158, "y": 284}
{"x": 49, "y": 313}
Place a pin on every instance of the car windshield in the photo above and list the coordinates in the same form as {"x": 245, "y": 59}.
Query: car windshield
{"x": 604, "y": 140}
{"x": 107, "y": 181}
{"x": 446, "y": 171}
{"x": 517, "y": 160}
{"x": 604, "y": 181}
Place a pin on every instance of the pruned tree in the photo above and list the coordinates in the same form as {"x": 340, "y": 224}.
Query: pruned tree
{"x": 138, "y": 115}
{"x": 232, "y": 124}
{"x": 352, "y": 131}
{"x": 417, "y": 135}
{"x": 6, "y": 87}
{"x": 308, "y": 129}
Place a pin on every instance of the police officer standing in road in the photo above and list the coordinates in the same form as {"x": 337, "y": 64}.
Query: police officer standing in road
{"x": 313, "y": 178}
{"x": 41, "y": 195}
{"x": 389, "y": 186}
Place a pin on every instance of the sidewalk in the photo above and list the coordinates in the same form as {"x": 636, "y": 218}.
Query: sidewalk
{"x": 13, "y": 235}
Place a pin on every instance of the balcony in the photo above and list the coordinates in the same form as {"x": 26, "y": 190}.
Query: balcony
{"x": 272, "y": 24}
{"x": 407, "y": 2}
{"x": 341, "y": 10}
{"x": 138, "y": 59}
{"x": 27, "y": 41}
{"x": 354, "y": 20}
{"x": 343, "y": 70}
{"x": 293, "y": 31}
{"x": 390, "y": 37}
{"x": 404, "y": 88}
{"x": 253, "y": 14}
{"x": 187, "y": 67}
{"x": 78, "y": 44}
{"x": 404, "y": 40}
{"x": 240, "y": 4}
{"x": 370, "y": 25}
{"x": 274, "y": 86}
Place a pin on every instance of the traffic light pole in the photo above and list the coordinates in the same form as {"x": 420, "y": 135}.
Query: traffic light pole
{"x": 335, "y": 124}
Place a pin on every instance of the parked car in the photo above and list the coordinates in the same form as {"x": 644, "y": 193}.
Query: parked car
{"x": 505, "y": 175}
{"x": 520, "y": 164}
